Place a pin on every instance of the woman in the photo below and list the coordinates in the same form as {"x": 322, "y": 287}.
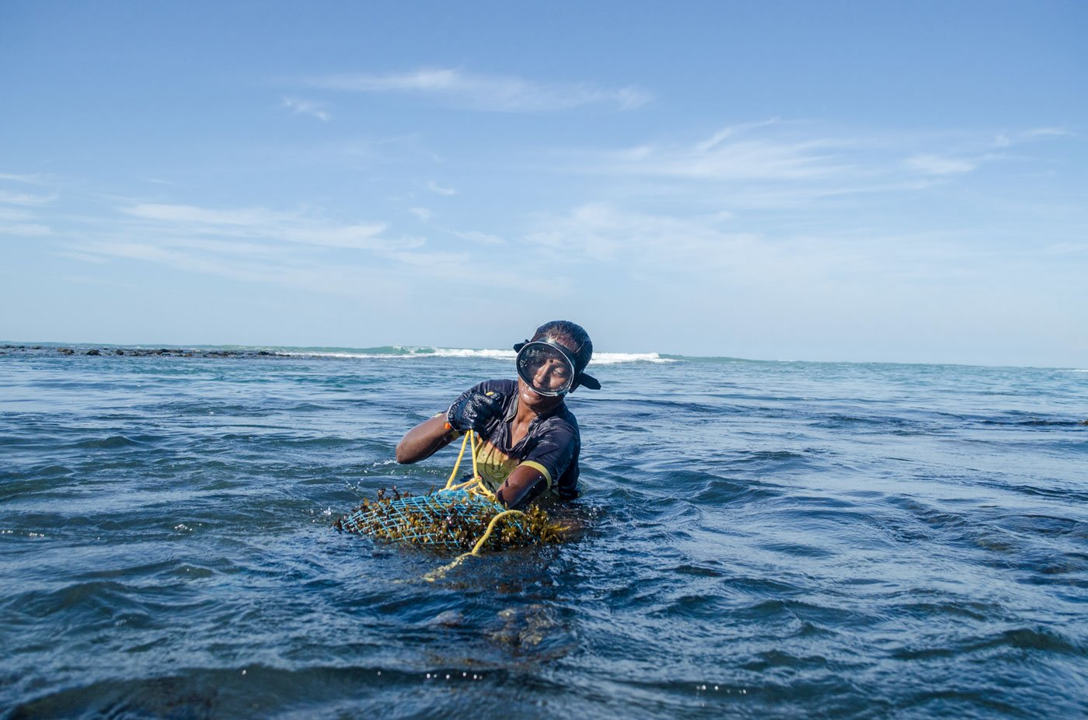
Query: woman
{"x": 528, "y": 441}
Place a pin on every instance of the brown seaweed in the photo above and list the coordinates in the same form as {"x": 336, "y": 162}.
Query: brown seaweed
{"x": 446, "y": 523}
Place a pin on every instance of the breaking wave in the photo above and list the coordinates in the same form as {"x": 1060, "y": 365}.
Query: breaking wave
{"x": 398, "y": 351}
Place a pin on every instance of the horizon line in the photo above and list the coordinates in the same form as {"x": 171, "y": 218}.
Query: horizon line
{"x": 41, "y": 344}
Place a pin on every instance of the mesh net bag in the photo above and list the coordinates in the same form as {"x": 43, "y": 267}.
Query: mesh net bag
{"x": 450, "y": 520}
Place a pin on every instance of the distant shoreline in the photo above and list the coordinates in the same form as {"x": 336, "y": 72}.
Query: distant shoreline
{"x": 101, "y": 351}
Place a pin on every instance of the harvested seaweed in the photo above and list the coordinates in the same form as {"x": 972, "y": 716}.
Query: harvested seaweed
{"x": 449, "y": 519}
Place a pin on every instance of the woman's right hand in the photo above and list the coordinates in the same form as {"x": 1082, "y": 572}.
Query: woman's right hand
{"x": 474, "y": 411}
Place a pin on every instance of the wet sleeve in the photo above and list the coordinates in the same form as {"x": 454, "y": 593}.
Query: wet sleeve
{"x": 553, "y": 453}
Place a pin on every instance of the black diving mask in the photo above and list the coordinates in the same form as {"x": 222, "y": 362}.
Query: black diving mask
{"x": 550, "y": 369}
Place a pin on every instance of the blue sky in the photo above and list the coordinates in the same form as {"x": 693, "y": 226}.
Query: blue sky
{"x": 784, "y": 180}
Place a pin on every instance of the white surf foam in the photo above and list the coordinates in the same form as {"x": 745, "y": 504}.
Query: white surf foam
{"x": 614, "y": 358}
{"x": 603, "y": 358}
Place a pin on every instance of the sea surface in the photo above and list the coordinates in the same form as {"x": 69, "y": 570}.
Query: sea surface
{"x": 755, "y": 540}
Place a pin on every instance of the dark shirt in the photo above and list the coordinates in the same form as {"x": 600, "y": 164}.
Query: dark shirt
{"x": 551, "y": 445}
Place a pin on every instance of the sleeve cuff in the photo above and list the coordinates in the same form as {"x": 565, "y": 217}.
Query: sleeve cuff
{"x": 543, "y": 471}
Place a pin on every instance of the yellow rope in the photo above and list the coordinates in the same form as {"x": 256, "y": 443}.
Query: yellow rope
{"x": 490, "y": 527}
{"x": 475, "y": 469}
{"x": 457, "y": 465}
{"x": 476, "y": 486}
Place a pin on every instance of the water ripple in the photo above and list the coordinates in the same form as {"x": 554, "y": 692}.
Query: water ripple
{"x": 755, "y": 540}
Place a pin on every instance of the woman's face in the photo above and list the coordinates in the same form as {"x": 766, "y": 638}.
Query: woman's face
{"x": 546, "y": 372}
{"x": 537, "y": 403}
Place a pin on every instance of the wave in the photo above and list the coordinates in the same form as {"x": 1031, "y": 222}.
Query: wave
{"x": 613, "y": 358}
{"x": 399, "y": 351}
{"x": 396, "y": 352}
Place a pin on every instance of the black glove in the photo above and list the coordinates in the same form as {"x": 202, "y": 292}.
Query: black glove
{"x": 474, "y": 412}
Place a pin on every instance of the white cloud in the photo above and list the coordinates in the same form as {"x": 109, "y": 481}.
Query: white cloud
{"x": 355, "y": 281}
{"x": 8, "y": 213}
{"x": 266, "y": 246}
{"x": 938, "y": 165}
{"x": 775, "y": 163}
{"x": 436, "y": 188}
{"x": 600, "y": 232}
{"x": 1045, "y": 132}
{"x": 26, "y": 179}
{"x": 307, "y": 107}
{"x": 725, "y": 157}
{"x": 155, "y": 181}
{"x": 728, "y": 132}
{"x": 694, "y": 256}
{"x": 25, "y": 199}
{"x": 477, "y": 237}
{"x": 24, "y": 229}
{"x": 487, "y": 92}
{"x": 82, "y": 257}
{"x": 421, "y": 212}
{"x": 192, "y": 214}
{"x": 181, "y": 220}
{"x": 16, "y": 215}
{"x": 1009, "y": 139}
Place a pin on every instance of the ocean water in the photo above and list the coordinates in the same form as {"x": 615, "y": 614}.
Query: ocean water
{"x": 756, "y": 540}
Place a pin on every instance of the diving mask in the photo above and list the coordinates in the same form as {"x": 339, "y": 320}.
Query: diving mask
{"x": 546, "y": 367}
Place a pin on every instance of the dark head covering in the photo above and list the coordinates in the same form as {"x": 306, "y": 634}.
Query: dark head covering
{"x": 577, "y": 341}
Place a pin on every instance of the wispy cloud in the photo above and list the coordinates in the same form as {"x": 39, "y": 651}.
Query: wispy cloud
{"x": 728, "y": 132}
{"x": 420, "y": 212}
{"x": 708, "y": 252}
{"x": 307, "y": 107}
{"x": 155, "y": 181}
{"x": 25, "y": 199}
{"x": 495, "y": 93}
{"x": 975, "y": 154}
{"x": 25, "y": 179}
{"x": 733, "y": 154}
{"x": 1009, "y": 139}
{"x": 187, "y": 220}
{"x": 299, "y": 250}
{"x": 18, "y": 208}
{"x": 475, "y": 236}
{"x": 789, "y": 164}
{"x": 289, "y": 249}
{"x": 24, "y": 229}
{"x": 602, "y": 232}
{"x": 440, "y": 190}
{"x": 938, "y": 165}
{"x": 17, "y": 214}
{"x": 311, "y": 274}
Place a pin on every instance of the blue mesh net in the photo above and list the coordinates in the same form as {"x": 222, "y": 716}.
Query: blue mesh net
{"x": 449, "y": 519}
